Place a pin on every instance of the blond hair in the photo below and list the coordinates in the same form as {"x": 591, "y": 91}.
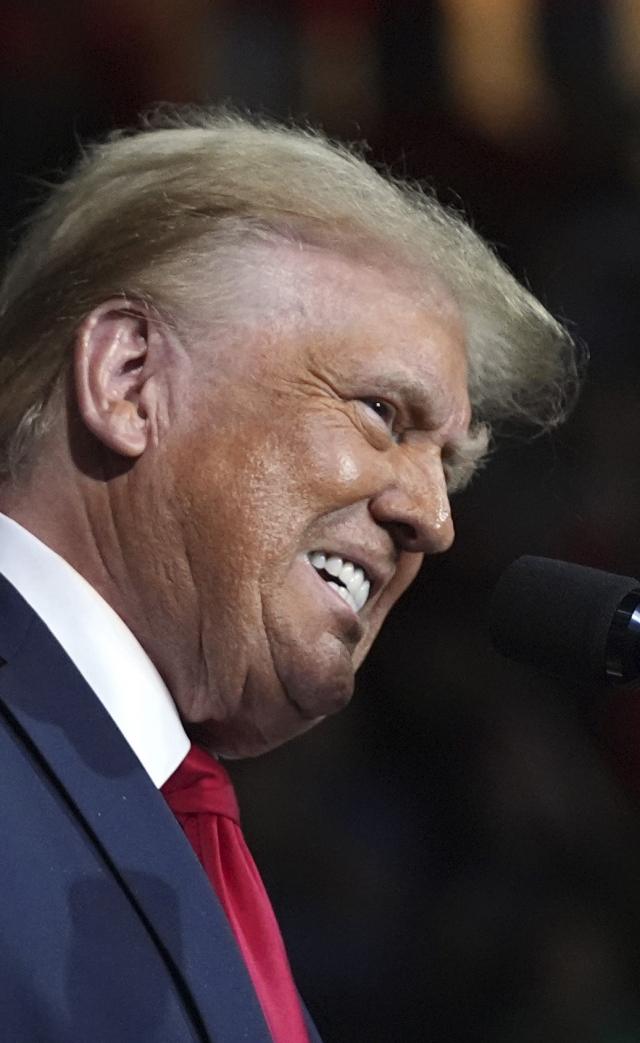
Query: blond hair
{"x": 140, "y": 210}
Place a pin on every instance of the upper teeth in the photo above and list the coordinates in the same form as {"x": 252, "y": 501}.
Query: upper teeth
{"x": 356, "y": 588}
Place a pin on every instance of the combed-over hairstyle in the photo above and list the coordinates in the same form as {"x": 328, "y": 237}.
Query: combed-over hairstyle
{"x": 140, "y": 210}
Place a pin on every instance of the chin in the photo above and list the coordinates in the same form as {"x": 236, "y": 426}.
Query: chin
{"x": 314, "y": 698}
{"x": 281, "y": 695}
{"x": 265, "y": 721}
{"x": 316, "y": 678}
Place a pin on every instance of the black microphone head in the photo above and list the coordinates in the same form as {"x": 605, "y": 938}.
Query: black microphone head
{"x": 557, "y": 616}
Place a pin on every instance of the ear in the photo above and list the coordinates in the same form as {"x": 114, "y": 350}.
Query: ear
{"x": 111, "y": 375}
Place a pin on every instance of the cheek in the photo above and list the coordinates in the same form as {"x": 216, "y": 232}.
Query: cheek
{"x": 349, "y": 469}
{"x": 251, "y": 496}
{"x": 338, "y": 466}
{"x": 242, "y": 509}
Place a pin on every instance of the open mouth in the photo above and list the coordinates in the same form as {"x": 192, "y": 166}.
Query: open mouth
{"x": 347, "y": 579}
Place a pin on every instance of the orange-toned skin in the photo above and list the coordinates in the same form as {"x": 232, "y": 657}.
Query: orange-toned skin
{"x": 197, "y": 472}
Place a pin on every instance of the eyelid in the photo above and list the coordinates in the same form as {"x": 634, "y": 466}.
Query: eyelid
{"x": 372, "y": 400}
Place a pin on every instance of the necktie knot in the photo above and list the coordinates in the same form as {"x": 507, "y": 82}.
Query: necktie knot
{"x": 201, "y": 786}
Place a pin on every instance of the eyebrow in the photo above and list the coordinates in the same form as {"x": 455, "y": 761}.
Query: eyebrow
{"x": 409, "y": 389}
{"x": 420, "y": 398}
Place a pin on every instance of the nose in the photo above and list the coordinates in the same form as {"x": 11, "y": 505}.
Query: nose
{"x": 414, "y": 508}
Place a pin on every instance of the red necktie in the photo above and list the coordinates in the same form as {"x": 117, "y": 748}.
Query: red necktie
{"x": 201, "y": 796}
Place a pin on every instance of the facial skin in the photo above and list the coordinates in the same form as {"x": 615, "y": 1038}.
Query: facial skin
{"x": 323, "y": 429}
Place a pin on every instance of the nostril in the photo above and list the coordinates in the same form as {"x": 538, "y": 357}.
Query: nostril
{"x": 402, "y": 533}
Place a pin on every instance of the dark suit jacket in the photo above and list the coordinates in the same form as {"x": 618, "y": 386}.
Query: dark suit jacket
{"x": 109, "y": 929}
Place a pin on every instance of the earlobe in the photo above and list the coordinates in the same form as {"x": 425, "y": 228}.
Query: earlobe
{"x": 110, "y": 375}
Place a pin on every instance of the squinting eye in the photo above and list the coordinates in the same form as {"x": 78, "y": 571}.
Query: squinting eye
{"x": 383, "y": 409}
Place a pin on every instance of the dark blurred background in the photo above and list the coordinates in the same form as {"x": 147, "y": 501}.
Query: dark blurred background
{"x": 456, "y": 858}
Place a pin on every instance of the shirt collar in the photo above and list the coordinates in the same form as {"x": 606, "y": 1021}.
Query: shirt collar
{"x": 101, "y": 646}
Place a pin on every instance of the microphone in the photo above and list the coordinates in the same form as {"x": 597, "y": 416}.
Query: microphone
{"x": 569, "y": 620}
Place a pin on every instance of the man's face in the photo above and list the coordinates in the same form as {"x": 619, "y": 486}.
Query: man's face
{"x": 308, "y": 484}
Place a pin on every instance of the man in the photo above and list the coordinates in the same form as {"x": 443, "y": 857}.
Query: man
{"x": 240, "y": 373}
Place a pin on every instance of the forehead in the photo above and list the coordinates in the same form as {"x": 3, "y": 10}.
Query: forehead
{"x": 296, "y": 291}
{"x": 295, "y": 308}
{"x": 299, "y": 283}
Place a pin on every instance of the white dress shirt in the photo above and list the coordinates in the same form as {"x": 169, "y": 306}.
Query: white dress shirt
{"x": 100, "y": 644}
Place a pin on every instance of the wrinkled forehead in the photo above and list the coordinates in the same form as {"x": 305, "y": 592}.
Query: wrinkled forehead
{"x": 296, "y": 287}
{"x": 306, "y": 314}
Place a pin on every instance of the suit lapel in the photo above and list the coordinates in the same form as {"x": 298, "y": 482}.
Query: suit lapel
{"x": 126, "y": 818}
